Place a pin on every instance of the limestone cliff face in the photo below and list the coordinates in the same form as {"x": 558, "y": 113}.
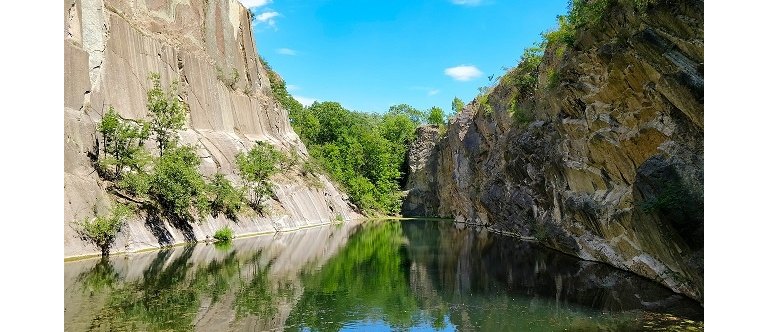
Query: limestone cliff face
{"x": 111, "y": 47}
{"x": 610, "y": 168}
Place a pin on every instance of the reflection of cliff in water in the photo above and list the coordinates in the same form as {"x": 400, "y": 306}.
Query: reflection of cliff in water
{"x": 462, "y": 263}
{"x": 250, "y": 285}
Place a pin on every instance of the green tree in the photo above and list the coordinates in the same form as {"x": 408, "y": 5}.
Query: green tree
{"x": 166, "y": 111}
{"x": 102, "y": 230}
{"x": 123, "y": 144}
{"x": 415, "y": 115}
{"x": 256, "y": 167}
{"x": 226, "y": 197}
{"x": 177, "y": 185}
{"x": 436, "y": 116}
{"x": 457, "y": 105}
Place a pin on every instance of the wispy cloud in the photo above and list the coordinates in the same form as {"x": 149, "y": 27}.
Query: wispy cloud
{"x": 286, "y": 51}
{"x": 430, "y": 90}
{"x": 255, "y": 3}
{"x": 466, "y": 2}
{"x": 463, "y": 72}
{"x": 291, "y": 87}
{"x": 306, "y": 101}
{"x": 267, "y": 17}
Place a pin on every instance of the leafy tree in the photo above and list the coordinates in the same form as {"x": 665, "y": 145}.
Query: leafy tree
{"x": 102, "y": 230}
{"x": 415, "y": 115}
{"x": 123, "y": 143}
{"x": 457, "y": 105}
{"x": 166, "y": 111}
{"x": 256, "y": 167}
{"x": 436, "y": 116}
{"x": 226, "y": 197}
{"x": 177, "y": 184}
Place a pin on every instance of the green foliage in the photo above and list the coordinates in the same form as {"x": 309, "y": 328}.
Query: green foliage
{"x": 457, "y": 105}
{"x": 256, "y": 167}
{"x": 177, "y": 185}
{"x": 280, "y": 92}
{"x": 123, "y": 144}
{"x": 563, "y": 35}
{"x": 363, "y": 152}
{"x": 224, "y": 234}
{"x": 102, "y": 230}
{"x": 525, "y": 76}
{"x": 520, "y": 115}
{"x": 484, "y": 106}
{"x": 226, "y": 198}
{"x": 231, "y": 79}
{"x": 553, "y": 78}
{"x": 166, "y": 111}
{"x": 587, "y": 13}
{"x": 436, "y": 116}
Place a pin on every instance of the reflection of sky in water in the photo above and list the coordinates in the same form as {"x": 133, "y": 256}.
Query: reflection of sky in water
{"x": 379, "y": 276}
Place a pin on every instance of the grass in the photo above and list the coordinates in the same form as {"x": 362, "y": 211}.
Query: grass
{"x": 224, "y": 234}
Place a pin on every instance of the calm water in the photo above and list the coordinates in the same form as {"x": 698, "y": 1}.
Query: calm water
{"x": 377, "y": 276}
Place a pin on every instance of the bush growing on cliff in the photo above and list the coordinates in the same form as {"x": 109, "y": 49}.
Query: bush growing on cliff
{"x": 167, "y": 113}
{"x": 102, "y": 230}
{"x": 256, "y": 167}
{"x": 226, "y": 198}
{"x": 177, "y": 185}
{"x": 122, "y": 145}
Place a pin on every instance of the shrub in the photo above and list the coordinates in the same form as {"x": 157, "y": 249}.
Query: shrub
{"x": 553, "y": 78}
{"x": 256, "y": 167}
{"x": 177, "y": 185}
{"x": 587, "y": 13}
{"x": 123, "y": 144}
{"x": 436, "y": 116}
{"x": 564, "y": 34}
{"x": 167, "y": 113}
{"x": 226, "y": 198}
{"x": 224, "y": 234}
{"x": 230, "y": 80}
{"x": 102, "y": 230}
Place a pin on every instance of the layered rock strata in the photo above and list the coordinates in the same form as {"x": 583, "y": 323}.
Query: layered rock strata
{"x": 610, "y": 165}
{"x": 208, "y": 47}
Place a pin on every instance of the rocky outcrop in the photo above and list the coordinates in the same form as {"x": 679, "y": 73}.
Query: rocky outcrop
{"x": 609, "y": 167}
{"x": 208, "y": 47}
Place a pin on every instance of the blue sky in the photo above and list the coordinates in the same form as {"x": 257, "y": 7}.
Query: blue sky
{"x": 369, "y": 55}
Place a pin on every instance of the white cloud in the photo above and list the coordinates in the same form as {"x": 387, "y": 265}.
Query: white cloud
{"x": 463, "y": 72}
{"x": 433, "y": 92}
{"x": 267, "y": 17}
{"x": 467, "y": 2}
{"x": 306, "y": 101}
{"x": 291, "y": 87}
{"x": 254, "y": 3}
{"x": 286, "y": 51}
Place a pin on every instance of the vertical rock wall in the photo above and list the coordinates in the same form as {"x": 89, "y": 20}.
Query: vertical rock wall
{"x": 111, "y": 47}
{"x": 611, "y": 167}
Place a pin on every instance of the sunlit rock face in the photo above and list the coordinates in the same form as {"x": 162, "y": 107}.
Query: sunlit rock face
{"x": 110, "y": 49}
{"x": 611, "y": 166}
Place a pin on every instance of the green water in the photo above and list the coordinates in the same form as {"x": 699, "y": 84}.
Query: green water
{"x": 378, "y": 276}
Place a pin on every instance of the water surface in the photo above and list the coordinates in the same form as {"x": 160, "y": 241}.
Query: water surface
{"x": 377, "y": 276}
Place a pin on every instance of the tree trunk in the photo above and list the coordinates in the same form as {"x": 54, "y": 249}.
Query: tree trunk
{"x": 105, "y": 251}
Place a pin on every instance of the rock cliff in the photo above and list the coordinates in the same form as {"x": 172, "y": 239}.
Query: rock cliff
{"x": 608, "y": 164}
{"x": 208, "y": 46}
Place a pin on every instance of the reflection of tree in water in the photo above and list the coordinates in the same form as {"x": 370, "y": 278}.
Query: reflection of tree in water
{"x": 169, "y": 295}
{"x": 367, "y": 280}
{"x": 101, "y": 276}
